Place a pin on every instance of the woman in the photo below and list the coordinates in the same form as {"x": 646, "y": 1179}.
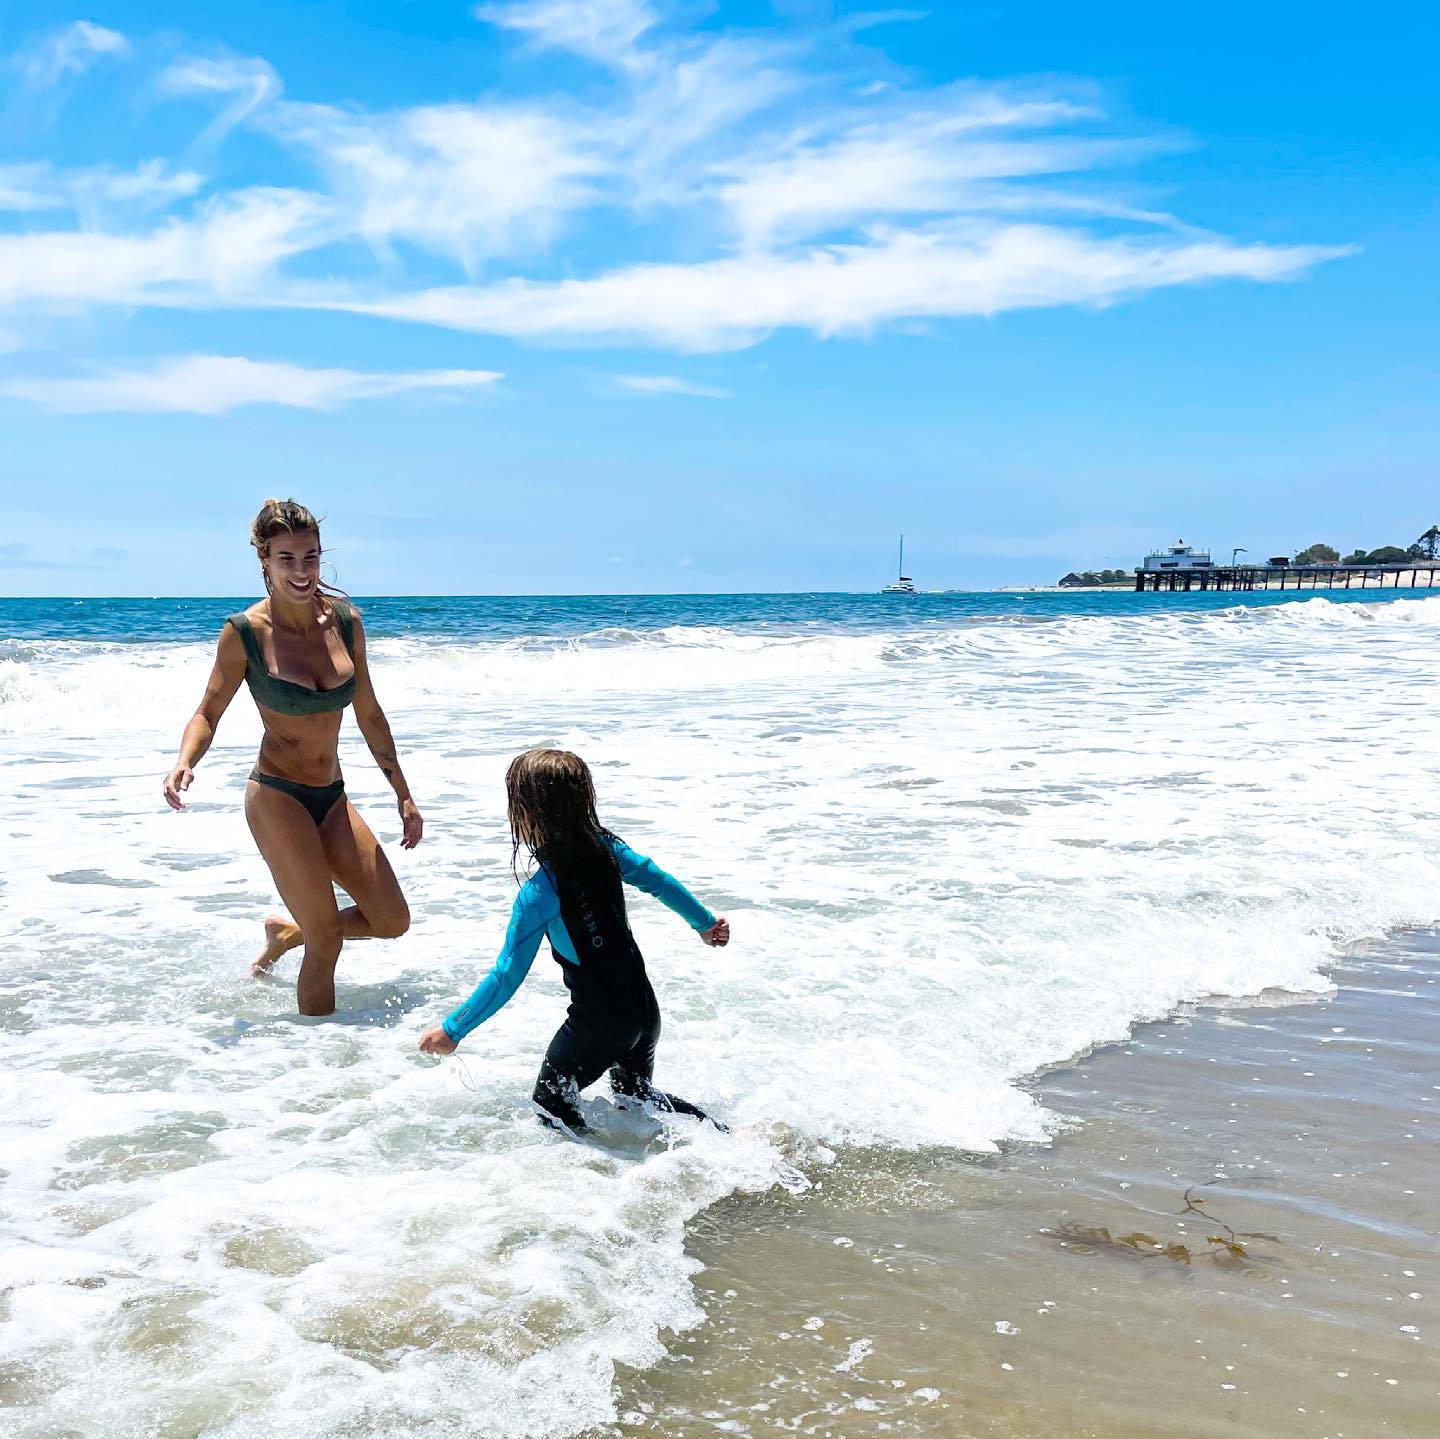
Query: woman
{"x": 302, "y": 652}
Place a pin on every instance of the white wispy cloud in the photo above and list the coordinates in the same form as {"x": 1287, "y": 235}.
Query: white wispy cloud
{"x": 71, "y": 50}
{"x": 603, "y": 30}
{"x": 930, "y": 162}
{"x": 843, "y": 289}
{"x": 244, "y": 86}
{"x": 678, "y": 93}
{"x": 216, "y": 384}
{"x": 39, "y": 186}
{"x": 463, "y": 181}
{"x": 871, "y": 19}
{"x": 688, "y": 111}
{"x": 742, "y": 187}
{"x": 668, "y": 385}
{"x": 221, "y": 255}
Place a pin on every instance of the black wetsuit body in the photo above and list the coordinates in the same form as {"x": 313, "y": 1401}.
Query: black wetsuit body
{"x": 614, "y": 1020}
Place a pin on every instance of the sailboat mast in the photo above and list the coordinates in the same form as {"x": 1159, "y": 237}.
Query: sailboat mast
{"x": 901, "y": 584}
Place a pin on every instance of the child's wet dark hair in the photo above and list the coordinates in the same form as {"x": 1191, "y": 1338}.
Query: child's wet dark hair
{"x": 551, "y": 804}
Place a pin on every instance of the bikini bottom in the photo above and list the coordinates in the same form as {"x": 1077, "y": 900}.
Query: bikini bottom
{"x": 318, "y": 799}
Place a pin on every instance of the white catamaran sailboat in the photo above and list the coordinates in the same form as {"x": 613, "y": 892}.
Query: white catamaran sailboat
{"x": 903, "y": 585}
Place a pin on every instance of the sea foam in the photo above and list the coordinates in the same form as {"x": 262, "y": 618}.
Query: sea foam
{"x": 952, "y": 854}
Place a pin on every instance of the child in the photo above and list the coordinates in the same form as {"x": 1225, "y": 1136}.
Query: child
{"x": 577, "y": 900}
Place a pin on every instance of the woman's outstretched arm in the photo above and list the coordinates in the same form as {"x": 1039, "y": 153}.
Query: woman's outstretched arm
{"x": 376, "y": 729}
{"x": 225, "y": 678}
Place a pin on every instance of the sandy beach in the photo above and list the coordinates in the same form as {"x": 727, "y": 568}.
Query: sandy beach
{"x": 1089, "y": 1288}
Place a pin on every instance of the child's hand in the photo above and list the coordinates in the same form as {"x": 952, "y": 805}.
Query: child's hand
{"x": 718, "y": 935}
{"x": 436, "y": 1041}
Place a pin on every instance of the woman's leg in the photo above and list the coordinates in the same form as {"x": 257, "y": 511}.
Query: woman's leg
{"x": 290, "y": 844}
{"x": 360, "y": 868}
{"x": 362, "y": 871}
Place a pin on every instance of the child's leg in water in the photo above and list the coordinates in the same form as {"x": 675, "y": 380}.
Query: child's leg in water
{"x": 577, "y": 1058}
{"x": 557, "y": 1097}
{"x": 630, "y": 1075}
{"x": 627, "y": 1084}
{"x": 573, "y": 1062}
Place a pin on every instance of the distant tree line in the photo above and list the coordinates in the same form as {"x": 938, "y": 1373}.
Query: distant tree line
{"x": 1076, "y": 579}
{"x": 1427, "y": 547}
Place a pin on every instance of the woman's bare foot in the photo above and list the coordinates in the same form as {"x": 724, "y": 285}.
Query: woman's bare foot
{"x": 280, "y": 936}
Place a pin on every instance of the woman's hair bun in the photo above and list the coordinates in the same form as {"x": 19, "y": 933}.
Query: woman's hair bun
{"x": 280, "y": 517}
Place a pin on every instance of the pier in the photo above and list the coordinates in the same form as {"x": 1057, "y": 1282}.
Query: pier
{"x": 1421, "y": 575}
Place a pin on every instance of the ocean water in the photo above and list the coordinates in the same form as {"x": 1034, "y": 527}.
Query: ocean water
{"x": 959, "y": 839}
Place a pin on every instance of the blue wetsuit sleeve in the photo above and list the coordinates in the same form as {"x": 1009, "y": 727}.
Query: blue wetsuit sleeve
{"x": 536, "y": 907}
{"x": 645, "y": 874}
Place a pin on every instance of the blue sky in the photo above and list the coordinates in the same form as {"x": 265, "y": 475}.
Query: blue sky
{"x": 629, "y": 295}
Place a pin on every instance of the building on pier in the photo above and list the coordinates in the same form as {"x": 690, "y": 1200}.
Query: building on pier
{"x": 1179, "y": 556}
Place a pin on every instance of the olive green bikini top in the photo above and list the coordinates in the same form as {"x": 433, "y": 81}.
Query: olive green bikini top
{"x": 285, "y": 696}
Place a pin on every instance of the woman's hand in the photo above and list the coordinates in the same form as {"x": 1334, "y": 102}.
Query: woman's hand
{"x": 176, "y": 783}
{"x": 414, "y": 826}
{"x": 436, "y": 1041}
{"x": 718, "y": 935}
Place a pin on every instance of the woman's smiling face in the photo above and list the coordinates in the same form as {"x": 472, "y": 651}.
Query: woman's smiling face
{"x": 292, "y": 564}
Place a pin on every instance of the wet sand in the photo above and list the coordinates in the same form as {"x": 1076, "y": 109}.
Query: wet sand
{"x": 1072, "y": 1290}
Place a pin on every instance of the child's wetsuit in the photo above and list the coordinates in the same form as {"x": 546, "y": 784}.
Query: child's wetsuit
{"x": 613, "y": 1022}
